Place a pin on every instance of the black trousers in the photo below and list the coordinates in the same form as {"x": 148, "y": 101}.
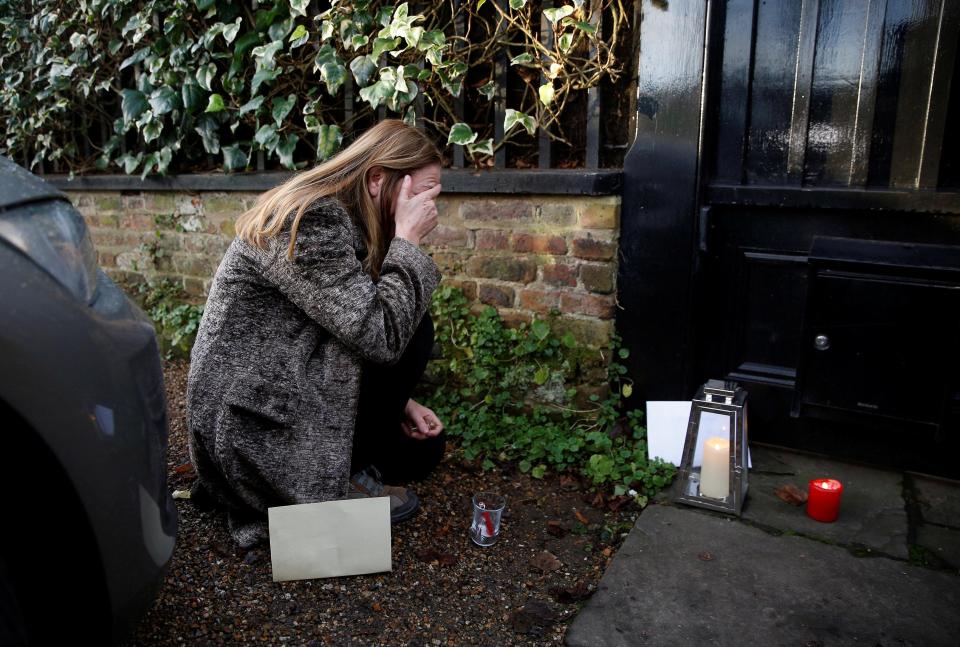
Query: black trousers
{"x": 384, "y": 391}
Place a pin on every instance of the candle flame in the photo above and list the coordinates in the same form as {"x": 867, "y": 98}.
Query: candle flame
{"x": 827, "y": 484}
{"x": 718, "y": 443}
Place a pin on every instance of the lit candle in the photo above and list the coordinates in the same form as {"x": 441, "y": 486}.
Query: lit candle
{"x": 715, "y": 473}
{"x": 823, "y": 500}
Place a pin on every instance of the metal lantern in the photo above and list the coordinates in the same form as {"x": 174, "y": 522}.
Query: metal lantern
{"x": 713, "y": 471}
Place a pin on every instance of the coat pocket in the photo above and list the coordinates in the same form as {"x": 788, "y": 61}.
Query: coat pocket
{"x": 264, "y": 400}
{"x": 254, "y": 441}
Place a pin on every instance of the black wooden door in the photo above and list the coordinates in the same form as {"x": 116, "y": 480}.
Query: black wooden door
{"x": 762, "y": 128}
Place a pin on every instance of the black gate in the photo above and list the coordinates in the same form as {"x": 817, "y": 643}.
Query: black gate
{"x": 791, "y": 219}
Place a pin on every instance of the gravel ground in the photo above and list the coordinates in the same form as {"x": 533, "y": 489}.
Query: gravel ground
{"x": 443, "y": 589}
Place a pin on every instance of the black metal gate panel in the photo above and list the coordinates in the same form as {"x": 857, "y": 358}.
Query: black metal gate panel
{"x": 764, "y": 127}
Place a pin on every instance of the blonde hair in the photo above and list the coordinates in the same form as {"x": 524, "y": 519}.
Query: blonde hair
{"x": 397, "y": 148}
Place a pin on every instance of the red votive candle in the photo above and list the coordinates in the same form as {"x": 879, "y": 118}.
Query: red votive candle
{"x": 823, "y": 501}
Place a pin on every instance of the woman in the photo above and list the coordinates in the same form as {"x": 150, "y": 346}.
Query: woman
{"x": 314, "y": 334}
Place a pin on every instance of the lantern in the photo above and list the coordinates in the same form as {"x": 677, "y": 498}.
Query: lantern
{"x": 713, "y": 471}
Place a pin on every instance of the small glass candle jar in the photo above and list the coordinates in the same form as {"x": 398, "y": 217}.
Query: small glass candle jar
{"x": 823, "y": 502}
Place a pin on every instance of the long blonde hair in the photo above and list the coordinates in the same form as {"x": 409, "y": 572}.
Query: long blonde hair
{"x": 397, "y": 148}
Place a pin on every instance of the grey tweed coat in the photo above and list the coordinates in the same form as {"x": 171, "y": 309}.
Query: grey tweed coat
{"x": 275, "y": 370}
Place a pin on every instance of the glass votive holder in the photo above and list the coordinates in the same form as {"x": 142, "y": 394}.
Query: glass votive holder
{"x": 487, "y": 510}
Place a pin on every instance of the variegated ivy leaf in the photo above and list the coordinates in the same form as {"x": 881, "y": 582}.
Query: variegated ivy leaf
{"x": 381, "y": 45}
{"x": 357, "y": 41}
{"x": 488, "y": 89}
{"x": 299, "y": 36}
{"x": 484, "y": 147}
{"x": 234, "y": 158}
{"x": 517, "y": 4}
{"x": 263, "y": 76}
{"x": 133, "y": 104}
{"x": 282, "y": 107}
{"x": 326, "y": 30}
{"x": 379, "y": 92}
{"x": 363, "y": 68}
{"x": 230, "y": 31}
{"x": 329, "y": 137}
{"x": 205, "y": 74}
{"x": 285, "y": 150}
{"x": 565, "y": 42}
{"x": 410, "y": 117}
{"x": 152, "y": 130}
{"x": 514, "y": 117}
{"x": 312, "y": 124}
{"x": 207, "y": 129}
{"x": 299, "y": 7}
{"x": 268, "y": 137}
{"x": 585, "y": 26}
{"x": 334, "y": 74}
{"x": 523, "y": 59}
{"x": 557, "y": 13}
{"x": 401, "y": 83}
{"x": 546, "y": 93}
{"x": 163, "y": 100}
{"x": 264, "y": 54}
{"x": 251, "y": 106}
{"x": 462, "y": 134}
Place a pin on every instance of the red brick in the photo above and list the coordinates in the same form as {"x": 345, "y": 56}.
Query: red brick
{"x": 539, "y": 301}
{"x": 496, "y": 295}
{"x": 513, "y": 318}
{"x": 587, "y": 304}
{"x": 504, "y": 268}
{"x": 448, "y": 262}
{"x": 560, "y": 274}
{"x": 445, "y": 236}
{"x": 495, "y": 210}
{"x": 597, "y": 277}
{"x": 593, "y": 249}
{"x": 137, "y": 221}
{"x": 539, "y": 243}
{"x": 487, "y": 239}
{"x": 469, "y": 288}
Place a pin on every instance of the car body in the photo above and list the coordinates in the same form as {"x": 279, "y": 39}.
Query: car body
{"x": 90, "y": 524}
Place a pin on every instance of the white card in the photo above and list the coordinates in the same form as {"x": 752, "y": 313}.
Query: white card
{"x": 330, "y": 539}
{"x": 667, "y": 431}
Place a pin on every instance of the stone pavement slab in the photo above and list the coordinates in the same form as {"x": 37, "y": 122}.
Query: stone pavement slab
{"x": 938, "y": 500}
{"x": 686, "y": 577}
{"x": 943, "y": 543}
{"x": 872, "y": 508}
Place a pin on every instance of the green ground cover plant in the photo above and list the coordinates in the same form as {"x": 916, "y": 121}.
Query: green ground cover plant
{"x": 507, "y": 394}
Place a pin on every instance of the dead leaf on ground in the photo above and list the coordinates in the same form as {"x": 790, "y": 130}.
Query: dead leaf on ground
{"x": 791, "y": 494}
{"x": 533, "y": 617}
{"x": 705, "y": 556}
{"x": 429, "y": 555}
{"x": 569, "y": 594}
{"x": 445, "y": 530}
{"x": 580, "y": 517}
{"x": 569, "y": 483}
{"x": 376, "y": 606}
{"x": 557, "y": 529}
{"x": 183, "y": 468}
{"x": 546, "y": 562}
{"x": 599, "y": 501}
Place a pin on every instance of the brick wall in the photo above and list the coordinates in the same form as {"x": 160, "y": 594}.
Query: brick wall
{"x": 525, "y": 255}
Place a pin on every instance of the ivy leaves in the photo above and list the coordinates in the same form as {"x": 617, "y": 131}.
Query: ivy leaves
{"x": 504, "y": 393}
{"x": 190, "y": 77}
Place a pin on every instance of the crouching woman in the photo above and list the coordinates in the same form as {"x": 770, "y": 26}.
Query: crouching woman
{"x": 314, "y": 335}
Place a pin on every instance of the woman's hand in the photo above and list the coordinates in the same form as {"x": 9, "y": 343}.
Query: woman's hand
{"x": 415, "y": 215}
{"x": 421, "y": 422}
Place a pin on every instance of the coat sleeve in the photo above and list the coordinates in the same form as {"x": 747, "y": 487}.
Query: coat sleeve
{"x": 326, "y": 280}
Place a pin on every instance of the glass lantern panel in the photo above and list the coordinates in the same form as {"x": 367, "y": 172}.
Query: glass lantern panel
{"x": 712, "y": 425}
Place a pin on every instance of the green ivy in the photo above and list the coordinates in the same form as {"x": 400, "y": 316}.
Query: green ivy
{"x": 175, "y": 319}
{"x": 506, "y": 395}
{"x": 188, "y": 79}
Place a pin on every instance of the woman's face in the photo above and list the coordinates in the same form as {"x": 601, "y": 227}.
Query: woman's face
{"x": 422, "y": 179}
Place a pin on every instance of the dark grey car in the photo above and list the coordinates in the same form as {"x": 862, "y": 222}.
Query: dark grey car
{"x": 88, "y": 524}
